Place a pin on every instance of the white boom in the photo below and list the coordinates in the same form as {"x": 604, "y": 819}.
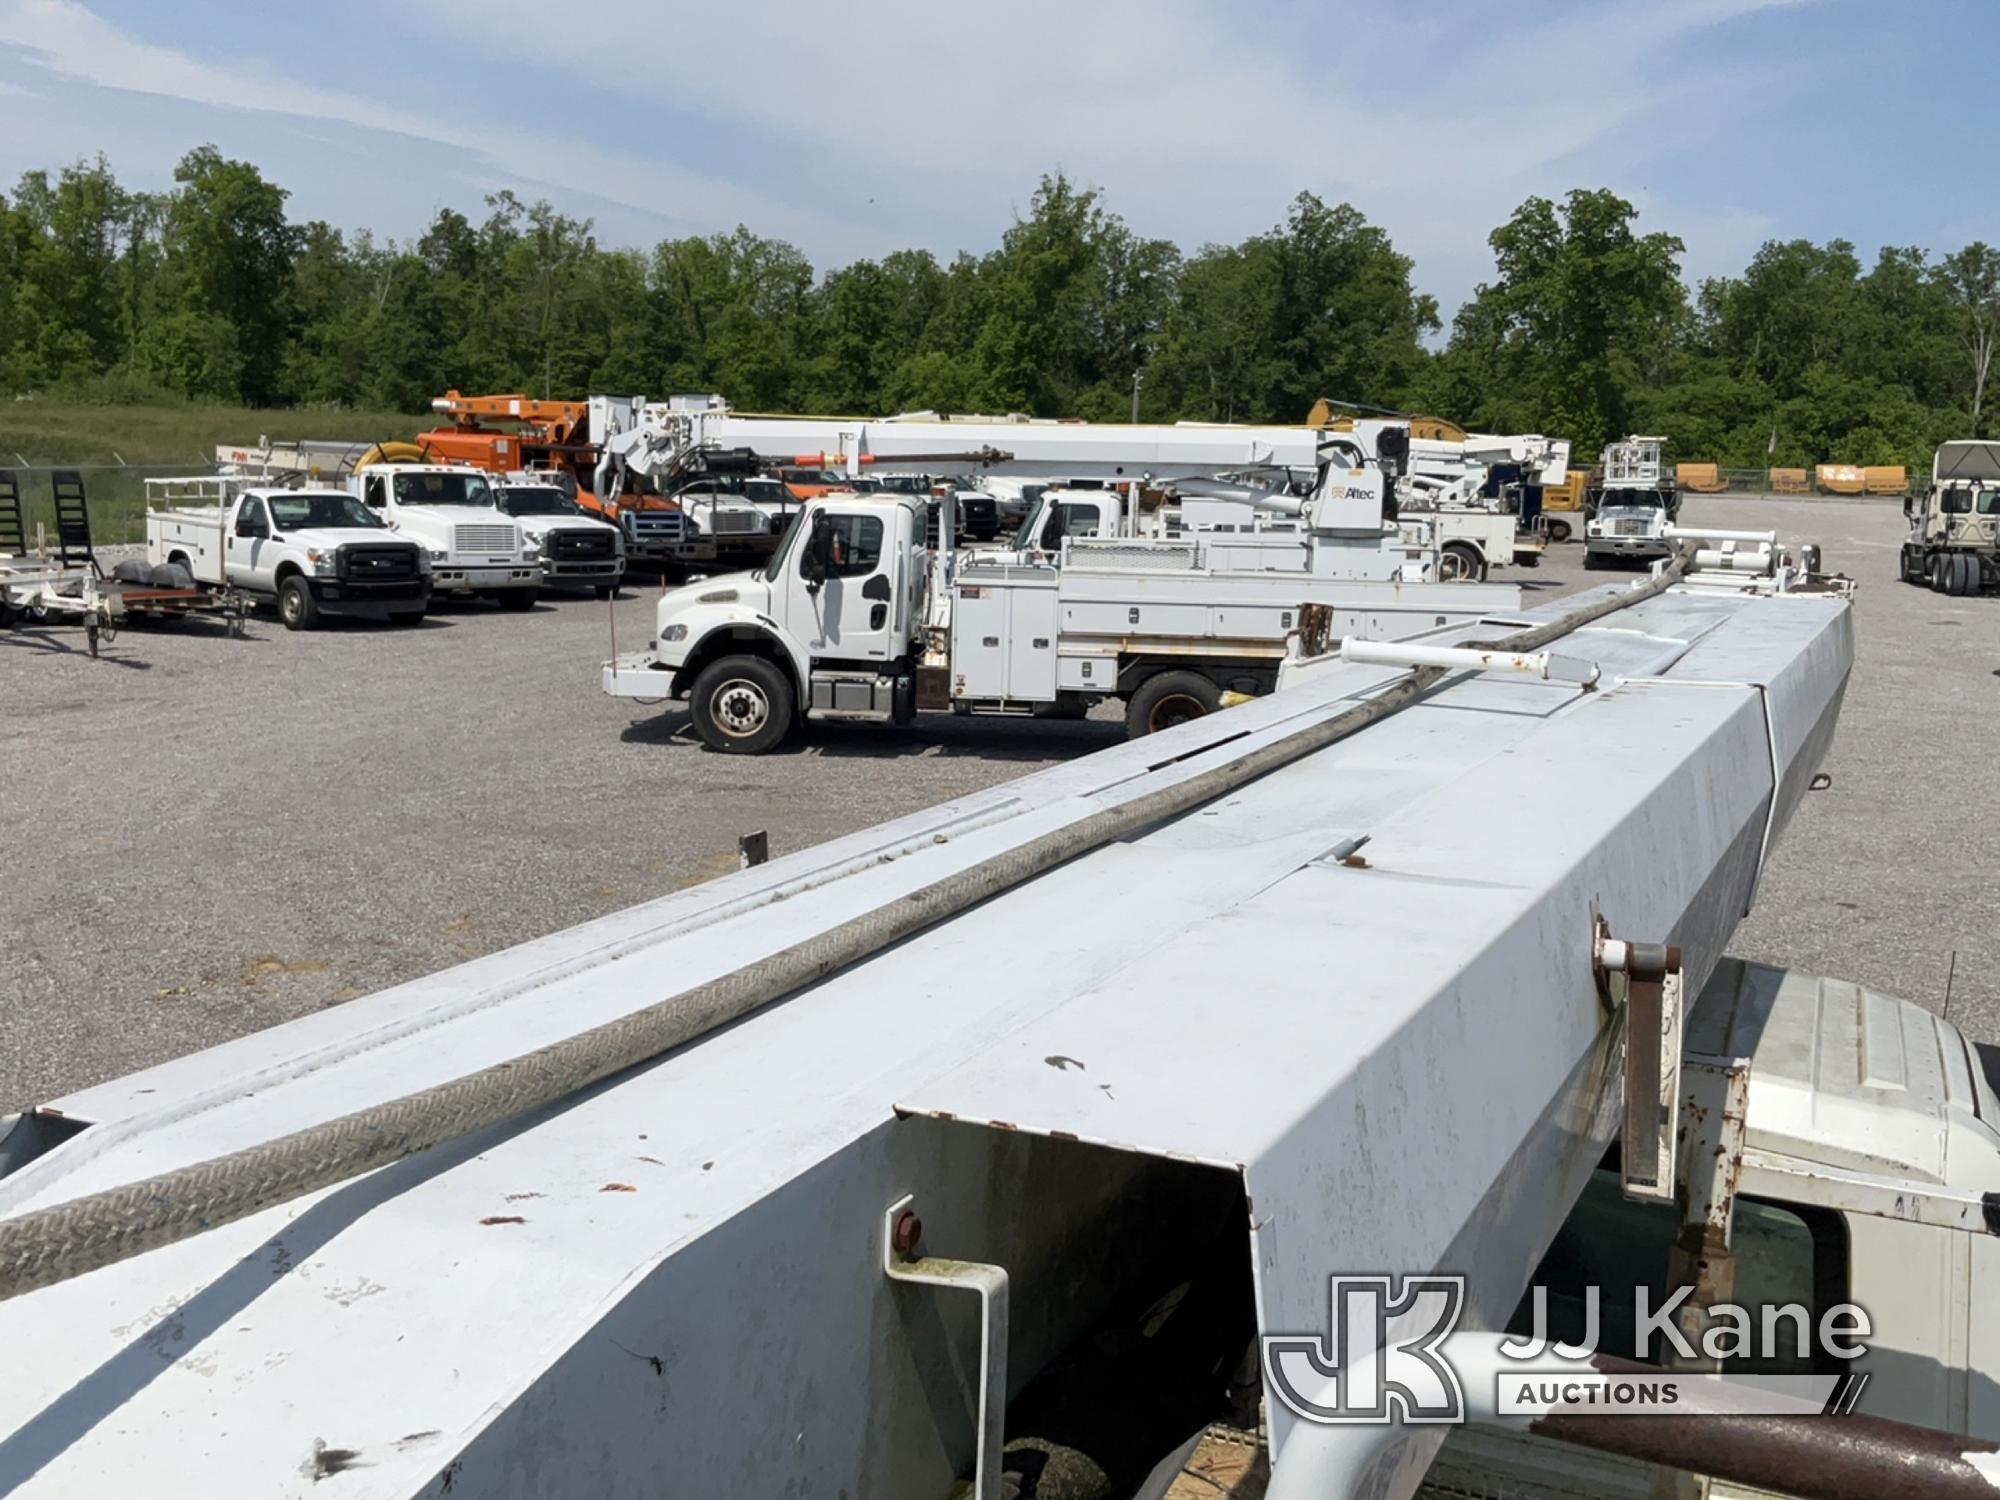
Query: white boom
{"x": 1194, "y": 1039}
{"x": 681, "y": 436}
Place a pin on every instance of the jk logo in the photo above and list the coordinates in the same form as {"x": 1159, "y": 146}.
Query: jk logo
{"x": 1379, "y": 1361}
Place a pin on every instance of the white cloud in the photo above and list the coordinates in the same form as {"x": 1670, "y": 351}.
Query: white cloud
{"x": 886, "y": 122}
{"x": 67, "y": 39}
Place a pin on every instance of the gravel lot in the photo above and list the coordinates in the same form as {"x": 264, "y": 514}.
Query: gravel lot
{"x": 212, "y": 835}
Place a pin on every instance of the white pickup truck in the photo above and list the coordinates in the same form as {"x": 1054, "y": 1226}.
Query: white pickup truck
{"x": 474, "y": 546}
{"x": 313, "y": 551}
{"x": 578, "y": 551}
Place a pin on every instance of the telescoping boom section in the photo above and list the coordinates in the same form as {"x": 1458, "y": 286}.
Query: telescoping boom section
{"x": 1185, "y": 1026}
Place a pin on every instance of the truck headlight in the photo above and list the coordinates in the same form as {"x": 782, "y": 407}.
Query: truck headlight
{"x": 531, "y": 553}
{"x": 674, "y": 633}
{"x": 437, "y": 554}
{"x": 325, "y": 564}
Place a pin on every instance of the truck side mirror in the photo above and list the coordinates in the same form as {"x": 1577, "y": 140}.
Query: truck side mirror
{"x": 813, "y": 560}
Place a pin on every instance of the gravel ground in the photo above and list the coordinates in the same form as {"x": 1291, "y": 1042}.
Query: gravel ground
{"x": 212, "y": 835}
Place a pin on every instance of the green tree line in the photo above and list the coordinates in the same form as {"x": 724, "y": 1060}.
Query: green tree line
{"x": 1586, "y": 329}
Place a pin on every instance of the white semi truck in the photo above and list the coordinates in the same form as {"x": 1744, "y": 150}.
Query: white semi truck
{"x": 475, "y": 548}
{"x": 308, "y": 551}
{"x": 856, "y": 617}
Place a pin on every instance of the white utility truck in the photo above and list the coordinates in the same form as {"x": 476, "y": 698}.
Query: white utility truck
{"x": 474, "y": 547}
{"x": 856, "y": 617}
{"x": 1630, "y": 507}
{"x": 310, "y": 551}
{"x": 578, "y": 551}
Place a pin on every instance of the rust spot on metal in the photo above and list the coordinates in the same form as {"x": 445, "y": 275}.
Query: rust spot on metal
{"x": 1063, "y": 1064}
{"x": 1356, "y": 862}
{"x": 907, "y": 1234}
{"x": 503, "y": 1219}
{"x": 652, "y": 1161}
{"x": 618, "y": 1187}
{"x": 1064, "y": 1135}
{"x": 707, "y": 1165}
{"x": 943, "y": 1114}
{"x": 1003, "y": 1124}
{"x": 522, "y": 1197}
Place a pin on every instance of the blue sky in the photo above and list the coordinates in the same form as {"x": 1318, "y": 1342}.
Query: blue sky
{"x": 852, "y": 129}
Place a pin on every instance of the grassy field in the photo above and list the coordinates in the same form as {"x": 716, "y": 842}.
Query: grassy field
{"x": 118, "y": 447}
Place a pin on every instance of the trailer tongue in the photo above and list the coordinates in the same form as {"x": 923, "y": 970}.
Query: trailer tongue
{"x": 1190, "y": 1024}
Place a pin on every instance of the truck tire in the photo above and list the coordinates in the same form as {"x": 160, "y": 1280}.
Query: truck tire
{"x": 1936, "y": 572}
{"x": 1169, "y": 698}
{"x": 1968, "y": 575}
{"x": 607, "y": 591}
{"x": 1460, "y": 562}
{"x": 517, "y": 599}
{"x": 1909, "y": 566}
{"x": 1592, "y": 561}
{"x": 296, "y": 605}
{"x": 742, "y": 705}
{"x": 1558, "y": 531}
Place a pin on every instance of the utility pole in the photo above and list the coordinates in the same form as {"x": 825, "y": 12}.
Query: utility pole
{"x": 1138, "y": 380}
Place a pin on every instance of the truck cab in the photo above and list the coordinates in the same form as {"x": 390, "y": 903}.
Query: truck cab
{"x": 1854, "y": 1160}
{"x": 311, "y": 551}
{"x": 1954, "y": 541}
{"x": 578, "y": 551}
{"x": 475, "y": 548}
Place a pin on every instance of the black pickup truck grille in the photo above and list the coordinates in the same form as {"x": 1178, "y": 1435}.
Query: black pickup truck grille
{"x": 377, "y": 563}
{"x": 581, "y": 544}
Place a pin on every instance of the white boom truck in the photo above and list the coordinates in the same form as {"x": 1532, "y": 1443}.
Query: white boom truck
{"x": 1633, "y": 502}
{"x": 309, "y": 551}
{"x": 474, "y": 547}
{"x": 820, "y": 1189}
{"x": 856, "y": 617}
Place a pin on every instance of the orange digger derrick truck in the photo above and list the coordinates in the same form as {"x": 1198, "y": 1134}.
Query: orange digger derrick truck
{"x": 724, "y": 510}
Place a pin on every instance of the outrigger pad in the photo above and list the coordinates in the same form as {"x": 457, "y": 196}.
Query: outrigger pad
{"x": 13, "y": 522}
{"x": 72, "y": 519}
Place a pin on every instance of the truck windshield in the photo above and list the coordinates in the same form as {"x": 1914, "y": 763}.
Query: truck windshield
{"x": 442, "y": 489}
{"x": 1955, "y": 501}
{"x": 536, "y": 500}
{"x": 785, "y": 543}
{"x": 1989, "y": 502}
{"x": 303, "y": 512}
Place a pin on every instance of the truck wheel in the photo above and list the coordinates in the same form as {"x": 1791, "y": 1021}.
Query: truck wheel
{"x": 1461, "y": 563}
{"x": 1968, "y": 575}
{"x": 1934, "y": 574}
{"x": 742, "y": 705}
{"x": 1558, "y": 531}
{"x": 517, "y": 599}
{"x": 1169, "y": 698}
{"x": 295, "y": 604}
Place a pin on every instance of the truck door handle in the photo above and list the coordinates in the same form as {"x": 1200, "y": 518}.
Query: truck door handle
{"x": 878, "y": 616}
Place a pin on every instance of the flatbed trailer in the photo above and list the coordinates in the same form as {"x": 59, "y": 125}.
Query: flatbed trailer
{"x": 38, "y": 591}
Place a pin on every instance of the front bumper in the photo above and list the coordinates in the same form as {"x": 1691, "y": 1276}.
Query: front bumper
{"x": 637, "y": 674}
{"x": 1629, "y": 546}
{"x": 336, "y": 595}
{"x": 582, "y": 574}
{"x": 450, "y": 577}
